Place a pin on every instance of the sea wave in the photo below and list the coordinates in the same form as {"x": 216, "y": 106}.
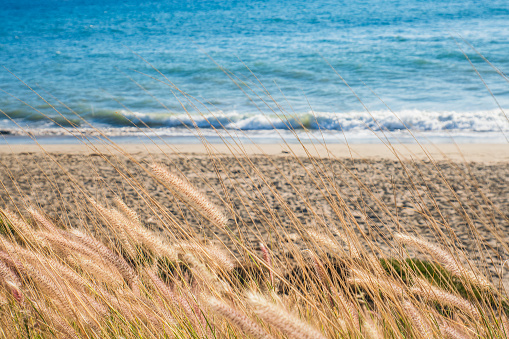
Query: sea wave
{"x": 413, "y": 120}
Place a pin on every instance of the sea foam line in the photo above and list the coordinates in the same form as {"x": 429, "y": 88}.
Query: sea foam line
{"x": 414, "y": 120}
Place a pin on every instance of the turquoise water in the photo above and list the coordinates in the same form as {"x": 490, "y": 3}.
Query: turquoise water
{"x": 81, "y": 53}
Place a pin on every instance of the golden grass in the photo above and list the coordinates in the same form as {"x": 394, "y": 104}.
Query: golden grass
{"x": 70, "y": 283}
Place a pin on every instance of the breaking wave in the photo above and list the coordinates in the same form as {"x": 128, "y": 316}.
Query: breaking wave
{"x": 486, "y": 121}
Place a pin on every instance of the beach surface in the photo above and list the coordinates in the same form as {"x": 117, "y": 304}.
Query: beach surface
{"x": 486, "y": 153}
{"x": 465, "y": 188}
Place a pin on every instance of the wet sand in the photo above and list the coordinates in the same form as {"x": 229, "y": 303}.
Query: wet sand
{"x": 487, "y": 153}
{"x": 467, "y": 192}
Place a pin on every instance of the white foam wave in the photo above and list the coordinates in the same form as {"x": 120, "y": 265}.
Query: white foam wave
{"x": 415, "y": 120}
{"x": 353, "y": 123}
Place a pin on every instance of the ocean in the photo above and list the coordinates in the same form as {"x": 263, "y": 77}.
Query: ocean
{"x": 258, "y": 69}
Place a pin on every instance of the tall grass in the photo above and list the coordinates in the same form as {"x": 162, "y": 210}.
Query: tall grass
{"x": 256, "y": 246}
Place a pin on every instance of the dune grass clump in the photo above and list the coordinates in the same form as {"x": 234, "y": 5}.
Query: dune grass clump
{"x": 119, "y": 278}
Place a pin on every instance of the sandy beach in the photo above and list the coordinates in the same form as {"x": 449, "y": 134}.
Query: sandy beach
{"x": 468, "y": 192}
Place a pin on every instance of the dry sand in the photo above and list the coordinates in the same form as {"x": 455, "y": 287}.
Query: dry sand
{"x": 469, "y": 191}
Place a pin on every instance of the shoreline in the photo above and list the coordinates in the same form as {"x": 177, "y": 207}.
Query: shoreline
{"x": 485, "y": 153}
